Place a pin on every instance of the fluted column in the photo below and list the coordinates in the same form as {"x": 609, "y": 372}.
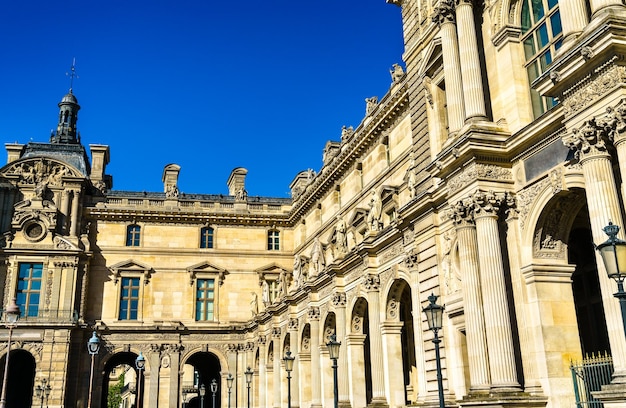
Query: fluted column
{"x": 573, "y": 20}
{"x": 295, "y": 352}
{"x": 597, "y": 5}
{"x": 262, "y": 397}
{"x": 495, "y": 302}
{"x": 339, "y": 301}
{"x": 150, "y": 391}
{"x": 477, "y": 354}
{"x": 75, "y": 207}
{"x": 614, "y": 124}
{"x": 444, "y": 16}
{"x": 590, "y": 144}
{"x": 278, "y": 355}
{"x": 372, "y": 285}
{"x": 355, "y": 345}
{"x": 316, "y": 384}
{"x": 473, "y": 94}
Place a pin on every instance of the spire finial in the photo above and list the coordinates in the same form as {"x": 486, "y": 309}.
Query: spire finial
{"x": 72, "y": 74}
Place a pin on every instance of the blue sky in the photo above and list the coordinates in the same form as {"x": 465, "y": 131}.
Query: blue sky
{"x": 209, "y": 85}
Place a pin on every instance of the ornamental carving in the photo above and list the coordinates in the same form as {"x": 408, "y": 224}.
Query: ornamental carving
{"x": 462, "y": 213}
{"x": 485, "y": 203}
{"x": 371, "y": 282}
{"x": 511, "y": 206}
{"x": 293, "y": 324}
{"x": 37, "y": 171}
{"x": 262, "y": 339}
{"x": 411, "y": 259}
{"x": 357, "y": 324}
{"x": 314, "y": 313}
{"x": 590, "y": 90}
{"x": 588, "y": 140}
{"x": 393, "y": 252}
{"x": 276, "y": 332}
{"x": 478, "y": 171}
{"x": 444, "y": 13}
{"x": 339, "y": 299}
{"x": 393, "y": 307}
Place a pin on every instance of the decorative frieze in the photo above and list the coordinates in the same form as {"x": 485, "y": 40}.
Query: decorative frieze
{"x": 593, "y": 87}
{"x": 478, "y": 171}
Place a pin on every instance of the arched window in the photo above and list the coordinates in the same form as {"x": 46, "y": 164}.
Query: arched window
{"x": 542, "y": 36}
{"x": 133, "y": 234}
{"x": 206, "y": 237}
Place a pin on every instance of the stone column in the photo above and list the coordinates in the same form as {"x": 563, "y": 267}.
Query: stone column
{"x": 392, "y": 335}
{"x": 495, "y": 302}
{"x": 339, "y": 301}
{"x": 529, "y": 366}
{"x": 151, "y": 389}
{"x": 262, "y": 399}
{"x": 316, "y": 384}
{"x": 355, "y": 344}
{"x": 175, "y": 350}
{"x": 474, "y": 96}
{"x": 278, "y": 355}
{"x": 573, "y": 19}
{"x": 65, "y": 209}
{"x": 295, "y": 377}
{"x": 75, "y": 214}
{"x": 444, "y": 16}
{"x": 597, "y": 5}
{"x": 477, "y": 354}
{"x": 614, "y": 122}
{"x": 372, "y": 285}
{"x": 589, "y": 142}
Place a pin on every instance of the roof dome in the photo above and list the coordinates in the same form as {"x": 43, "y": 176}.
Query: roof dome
{"x": 69, "y": 98}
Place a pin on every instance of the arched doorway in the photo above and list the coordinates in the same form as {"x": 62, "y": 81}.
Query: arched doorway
{"x": 121, "y": 385}
{"x": 21, "y": 379}
{"x": 594, "y": 338}
{"x": 200, "y": 369}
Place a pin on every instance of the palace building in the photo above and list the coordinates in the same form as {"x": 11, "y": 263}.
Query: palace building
{"x": 484, "y": 176}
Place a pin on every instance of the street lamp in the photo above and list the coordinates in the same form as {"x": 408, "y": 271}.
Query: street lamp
{"x": 333, "y": 350}
{"x": 213, "y": 390}
{"x": 229, "y": 383}
{"x": 93, "y": 347}
{"x": 11, "y": 315}
{"x": 434, "y": 317}
{"x": 140, "y": 364}
{"x": 249, "y": 374}
{"x": 613, "y": 252}
{"x": 43, "y": 390}
{"x": 288, "y": 359}
{"x": 202, "y": 394}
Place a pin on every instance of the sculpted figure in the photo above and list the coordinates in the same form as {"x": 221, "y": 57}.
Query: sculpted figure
{"x": 397, "y": 73}
{"x": 241, "y": 194}
{"x": 370, "y": 104}
{"x": 346, "y": 132}
{"x": 373, "y": 216}
{"x": 266, "y": 293}
{"x": 254, "y": 304}
{"x": 339, "y": 237}
{"x": 172, "y": 191}
{"x": 297, "y": 272}
{"x": 317, "y": 257}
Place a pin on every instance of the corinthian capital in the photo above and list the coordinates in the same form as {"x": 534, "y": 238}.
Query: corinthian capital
{"x": 339, "y": 299}
{"x": 588, "y": 140}
{"x": 462, "y": 213}
{"x": 314, "y": 313}
{"x": 444, "y": 13}
{"x": 485, "y": 202}
{"x": 371, "y": 282}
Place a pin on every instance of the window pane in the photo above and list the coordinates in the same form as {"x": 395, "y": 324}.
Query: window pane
{"x": 529, "y": 47}
{"x": 533, "y": 72}
{"x": 526, "y": 21}
{"x": 555, "y": 22}
{"x": 543, "y": 36}
{"x": 35, "y": 285}
{"x": 37, "y": 268}
{"x": 538, "y": 11}
{"x": 552, "y": 3}
{"x": 545, "y": 59}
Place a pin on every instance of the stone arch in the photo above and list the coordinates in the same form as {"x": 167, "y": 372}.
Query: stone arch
{"x": 123, "y": 357}
{"x": 286, "y": 343}
{"x": 21, "y": 379}
{"x": 329, "y": 327}
{"x": 305, "y": 338}
{"x": 505, "y": 13}
{"x": 191, "y": 350}
{"x": 358, "y": 316}
{"x": 394, "y": 298}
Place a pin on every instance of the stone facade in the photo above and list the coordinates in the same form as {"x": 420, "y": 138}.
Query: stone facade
{"x": 483, "y": 176}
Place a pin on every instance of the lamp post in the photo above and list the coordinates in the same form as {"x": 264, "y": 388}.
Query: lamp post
{"x": 213, "y": 390}
{"x": 249, "y": 374}
{"x": 229, "y": 383}
{"x": 613, "y": 252}
{"x": 93, "y": 347}
{"x": 202, "y": 394}
{"x": 288, "y": 359}
{"x": 43, "y": 391}
{"x": 333, "y": 350}
{"x": 11, "y": 315}
{"x": 434, "y": 316}
{"x": 140, "y": 364}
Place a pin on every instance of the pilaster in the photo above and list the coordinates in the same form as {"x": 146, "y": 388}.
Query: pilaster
{"x": 372, "y": 285}
{"x": 316, "y": 384}
{"x": 339, "y": 301}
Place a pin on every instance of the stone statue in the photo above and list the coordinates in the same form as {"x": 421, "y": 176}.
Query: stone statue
{"x": 339, "y": 237}
{"x": 254, "y": 304}
{"x": 346, "y": 132}
{"x": 266, "y": 293}
{"x": 172, "y": 191}
{"x": 397, "y": 73}
{"x": 317, "y": 257}
{"x": 297, "y": 272}
{"x": 370, "y": 104}
{"x": 40, "y": 189}
{"x": 241, "y": 194}
{"x": 412, "y": 178}
{"x": 375, "y": 212}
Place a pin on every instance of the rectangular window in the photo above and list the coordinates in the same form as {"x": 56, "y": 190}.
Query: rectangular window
{"x": 133, "y": 233}
{"x": 274, "y": 289}
{"x": 273, "y": 242}
{"x": 206, "y": 237}
{"x": 205, "y": 297}
{"x": 129, "y": 299}
{"x": 29, "y": 288}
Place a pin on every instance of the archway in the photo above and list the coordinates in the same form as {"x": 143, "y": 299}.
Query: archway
{"x": 21, "y": 380}
{"x": 120, "y": 383}
{"x": 200, "y": 369}
{"x": 359, "y": 353}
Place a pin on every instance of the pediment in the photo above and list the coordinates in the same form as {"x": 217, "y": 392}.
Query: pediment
{"x": 358, "y": 216}
{"x": 130, "y": 265}
{"x": 206, "y": 268}
{"x": 272, "y": 269}
{"x": 34, "y": 170}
